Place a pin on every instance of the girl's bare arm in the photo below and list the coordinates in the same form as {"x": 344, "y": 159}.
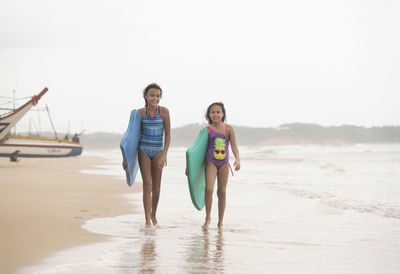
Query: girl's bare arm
{"x": 234, "y": 147}
{"x": 167, "y": 138}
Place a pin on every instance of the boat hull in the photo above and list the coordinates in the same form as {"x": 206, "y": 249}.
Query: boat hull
{"x": 39, "y": 147}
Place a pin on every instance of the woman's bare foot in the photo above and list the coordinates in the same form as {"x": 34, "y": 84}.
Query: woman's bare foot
{"x": 220, "y": 225}
{"x": 206, "y": 223}
{"x": 154, "y": 220}
{"x": 148, "y": 224}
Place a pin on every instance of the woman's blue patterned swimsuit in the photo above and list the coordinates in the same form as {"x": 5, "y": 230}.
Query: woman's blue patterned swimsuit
{"x": 151, "y": 139}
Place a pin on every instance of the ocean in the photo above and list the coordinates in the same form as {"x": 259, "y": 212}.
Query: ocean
{"x": 290, "y": 209}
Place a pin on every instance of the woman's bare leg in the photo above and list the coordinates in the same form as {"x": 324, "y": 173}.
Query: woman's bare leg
{"x": 156, "y": 174}
{"x": 223, "y": 175}
{"x": 211, "y": 174}
{"x": 145, "y": 170}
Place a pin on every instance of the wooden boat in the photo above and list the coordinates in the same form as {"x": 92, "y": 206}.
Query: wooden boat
{"x": 31, "y": 146}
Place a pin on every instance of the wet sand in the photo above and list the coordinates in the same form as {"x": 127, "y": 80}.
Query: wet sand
{"x": 44, "y": 202}
{"x": 289, "y": 210}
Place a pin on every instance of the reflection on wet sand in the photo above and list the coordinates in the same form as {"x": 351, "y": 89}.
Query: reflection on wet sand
{"x": 205, "y": 253}
{"x": 148, "y": 254}
{"x": 219, "y": 251}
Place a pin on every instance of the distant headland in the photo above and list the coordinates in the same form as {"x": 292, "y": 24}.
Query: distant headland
{"x": 286, "y": 134}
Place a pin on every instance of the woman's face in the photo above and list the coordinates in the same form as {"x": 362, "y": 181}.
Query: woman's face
{"x": 216, "y": 114}
{"x": 153, "y": 97}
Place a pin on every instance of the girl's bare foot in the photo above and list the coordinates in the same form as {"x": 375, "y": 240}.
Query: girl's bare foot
{"x": 206, "y": 223}
{"x": 220, "y": 225}
{"x": 154, "y": 220}
{"x": 148, "y": 224}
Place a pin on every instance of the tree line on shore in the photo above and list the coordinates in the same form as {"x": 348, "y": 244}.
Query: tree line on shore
{"x": 286, "y": 134}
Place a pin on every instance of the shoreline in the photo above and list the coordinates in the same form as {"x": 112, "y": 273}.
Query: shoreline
{"x": 44, "y": 203}
{"x": 312, "y": 212}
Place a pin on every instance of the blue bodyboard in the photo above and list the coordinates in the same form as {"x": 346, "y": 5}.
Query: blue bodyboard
{"x": 129, "y": 146}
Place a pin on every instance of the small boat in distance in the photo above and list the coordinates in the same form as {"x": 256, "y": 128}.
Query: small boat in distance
{"x": 32, "y": 146}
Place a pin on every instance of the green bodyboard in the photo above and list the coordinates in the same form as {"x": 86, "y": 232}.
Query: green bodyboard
{"x": 195, "y": 156}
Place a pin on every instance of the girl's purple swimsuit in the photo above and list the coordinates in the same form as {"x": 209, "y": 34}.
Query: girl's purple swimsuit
{"x": 218, "y": 147}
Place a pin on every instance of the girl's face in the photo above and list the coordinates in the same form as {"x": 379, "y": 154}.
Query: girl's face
{"x": 216, "y": 114}
{"x": 153, "y": 97}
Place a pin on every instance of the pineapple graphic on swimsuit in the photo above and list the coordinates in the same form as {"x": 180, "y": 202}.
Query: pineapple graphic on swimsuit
{"x": 219, "y": 150}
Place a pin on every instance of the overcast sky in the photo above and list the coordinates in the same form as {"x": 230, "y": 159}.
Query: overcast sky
{"x": 271, "y": 62}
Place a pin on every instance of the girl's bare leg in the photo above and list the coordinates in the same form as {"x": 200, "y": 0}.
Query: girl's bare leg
{"x": 145, "y": 170}
{"x": 156, "y": 174}
{"x": 211, "y": 174}
{"x": 223, "y": 175}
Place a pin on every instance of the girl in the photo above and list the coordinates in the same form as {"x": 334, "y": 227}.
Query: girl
{"x": 152, "y": 152}
{"x": 217, "y": 159}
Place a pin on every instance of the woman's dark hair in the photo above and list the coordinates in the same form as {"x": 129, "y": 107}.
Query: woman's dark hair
{"x": 152, "y": 85}
{"x": 220, "y": 104}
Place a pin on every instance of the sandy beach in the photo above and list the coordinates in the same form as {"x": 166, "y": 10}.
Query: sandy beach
{"x": 44, "y": 202}
{"x": 290, "y": 209}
